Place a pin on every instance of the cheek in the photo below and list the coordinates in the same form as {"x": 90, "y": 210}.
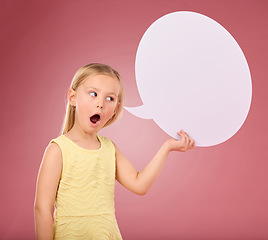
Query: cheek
{"x": 83, "y": 106}
{"x": 83, "y": 99}
{"x": 111, "y": 110}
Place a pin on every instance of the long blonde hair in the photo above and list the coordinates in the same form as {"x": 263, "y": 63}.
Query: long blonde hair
{"x": 83, "y": 73}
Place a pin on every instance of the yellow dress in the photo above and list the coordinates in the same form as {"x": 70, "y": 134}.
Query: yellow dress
{"x": 84, "y": 206}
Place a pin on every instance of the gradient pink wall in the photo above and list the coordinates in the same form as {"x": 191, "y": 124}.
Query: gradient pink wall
{"x": 209, "y": 193}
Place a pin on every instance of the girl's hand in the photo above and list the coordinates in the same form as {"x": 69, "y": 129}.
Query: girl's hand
{"x": 182, "y": 145}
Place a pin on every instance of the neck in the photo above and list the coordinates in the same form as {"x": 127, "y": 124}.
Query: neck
{"x": 84, "y": 139}
{"x": 78, "y": 133}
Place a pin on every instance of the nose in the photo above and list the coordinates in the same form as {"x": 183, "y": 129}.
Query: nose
{"x": 100, "y": 103}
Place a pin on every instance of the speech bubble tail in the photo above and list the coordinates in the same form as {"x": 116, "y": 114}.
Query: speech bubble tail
{"x": 140, "y": 112}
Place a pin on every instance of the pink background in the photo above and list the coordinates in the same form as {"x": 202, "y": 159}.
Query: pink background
{"x": 217, "y": 193}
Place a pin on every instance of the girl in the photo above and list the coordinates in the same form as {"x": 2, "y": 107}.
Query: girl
{"x": 79, "y": 168}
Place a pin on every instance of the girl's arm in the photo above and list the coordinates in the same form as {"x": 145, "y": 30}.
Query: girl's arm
{"x": 140, "y": 182}
{"x": 47, "y": 184}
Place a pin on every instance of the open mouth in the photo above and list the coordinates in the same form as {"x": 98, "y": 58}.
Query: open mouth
{"x": 95, "y": 118}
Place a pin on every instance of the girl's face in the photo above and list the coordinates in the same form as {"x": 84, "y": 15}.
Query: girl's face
{"x": 96, "y": 101}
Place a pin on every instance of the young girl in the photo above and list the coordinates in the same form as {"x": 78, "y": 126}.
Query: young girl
{"x": 79, "y": 168}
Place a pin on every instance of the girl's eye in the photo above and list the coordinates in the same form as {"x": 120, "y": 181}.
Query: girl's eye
{"x": 93, "y": 94}
{"x": 110, "y": 99}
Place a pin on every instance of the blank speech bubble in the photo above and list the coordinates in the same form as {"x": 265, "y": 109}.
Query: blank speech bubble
{"x": 191, "y": 74}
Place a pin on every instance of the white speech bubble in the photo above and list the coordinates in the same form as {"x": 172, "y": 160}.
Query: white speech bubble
{"x": 192, "y": 75}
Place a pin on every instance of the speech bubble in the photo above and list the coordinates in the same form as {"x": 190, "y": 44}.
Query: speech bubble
{"x": 191, "y": 74}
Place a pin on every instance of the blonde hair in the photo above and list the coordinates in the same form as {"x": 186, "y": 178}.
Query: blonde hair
{"x": 84, "y": 72}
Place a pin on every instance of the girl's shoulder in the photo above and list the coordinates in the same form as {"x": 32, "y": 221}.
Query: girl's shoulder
{"x": 56, "y": 144}
{"x": 58, "y": 139}
{"x": 62, "y": 141}
{"x": 53, "y": 150}
{"x": 104, "y": 140}
{"x": 52, "y": 154}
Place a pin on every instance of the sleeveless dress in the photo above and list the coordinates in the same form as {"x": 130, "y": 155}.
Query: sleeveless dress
{"x": 84, "y": 206}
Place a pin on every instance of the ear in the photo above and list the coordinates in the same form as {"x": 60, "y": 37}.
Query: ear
{"x": 71, "y": 97}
